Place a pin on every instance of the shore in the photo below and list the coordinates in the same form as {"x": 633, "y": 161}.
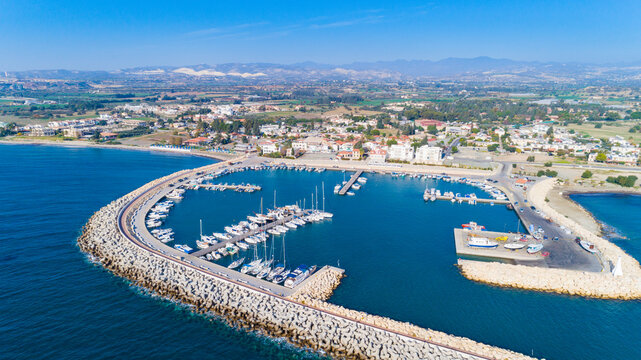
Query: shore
{"x": 597, "y": 285}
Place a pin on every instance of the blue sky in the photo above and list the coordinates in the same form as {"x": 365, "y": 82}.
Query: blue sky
{"x": 87, "y": 35}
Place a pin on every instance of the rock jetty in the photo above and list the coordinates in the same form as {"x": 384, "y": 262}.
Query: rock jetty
{"x": 304, "y": 319}
{"x": 597, "y": 285}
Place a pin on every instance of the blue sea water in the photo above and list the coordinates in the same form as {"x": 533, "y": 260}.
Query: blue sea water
{"x": 397, "y": 251}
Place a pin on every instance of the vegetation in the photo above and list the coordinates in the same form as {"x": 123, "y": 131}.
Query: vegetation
{"x": 625, "y": 181}
{"x": 586, "y": 174}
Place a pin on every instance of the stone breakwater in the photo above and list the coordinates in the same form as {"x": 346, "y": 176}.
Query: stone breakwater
{"x": 572, "y": 282}
{"x": 307, "y": 322}
{"x": 320, "y": 286}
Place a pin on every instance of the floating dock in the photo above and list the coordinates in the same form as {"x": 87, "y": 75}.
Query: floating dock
{"x": 351, "y": 182}
{"x": 463, "y": 199}
{"x": 238, "y": 238}
{"x": 461, "y": 241}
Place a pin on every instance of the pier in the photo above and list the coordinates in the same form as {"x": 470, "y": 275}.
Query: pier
{"x": 351, "y": 182}
{"x": 238, "y": 238}
{"x": 223, "y": 187}
{"x": 461, "y": 241}
{"x": 462, "y": 199}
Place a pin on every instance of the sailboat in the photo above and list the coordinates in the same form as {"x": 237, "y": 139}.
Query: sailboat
{"x": 236, "y": 263}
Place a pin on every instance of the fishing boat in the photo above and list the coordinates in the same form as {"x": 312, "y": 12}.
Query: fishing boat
{"x": 481, "y": 242}
{"x": 472, "y": 226}
{"x": 588, "y": 246}
{"x": 514, "y": 246}
{"x": 534, "y": 248}
{"x": 236, "y": 263}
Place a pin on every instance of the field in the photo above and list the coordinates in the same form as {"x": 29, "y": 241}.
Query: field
{"x": 608, "y": 130}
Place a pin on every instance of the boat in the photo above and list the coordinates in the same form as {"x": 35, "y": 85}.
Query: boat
{"x": 588, "y": 246}
{"x": 481, "y": 242}
{"x": 273, "y": 231}
{"x": 534, "y": 248}
{"x": 472, "y": 226}
{"x": 356, "y": 186}
{"x": 202, "y": 244}
{"x": 248, "y": 267}
{"x": 337, "y": 188}
{"x": 278, "y": 269}
{"x": 242, "y": 245}
{"x": 362, "y": 180}
{"x": 501, "y": 238}
{"x": 281, "y": 277}
{"x": 350, "y": 193}
{"x": 236, "y": 263}
{"x": 514, "y": 246}
{"x": 297, "y": 276}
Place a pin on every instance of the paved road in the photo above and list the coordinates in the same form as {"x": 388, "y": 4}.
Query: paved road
{"x": 564, "y": 253}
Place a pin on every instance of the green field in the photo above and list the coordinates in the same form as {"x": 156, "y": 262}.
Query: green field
{"x": 608, "y": 130}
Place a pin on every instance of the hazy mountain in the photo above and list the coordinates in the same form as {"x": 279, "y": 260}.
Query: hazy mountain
{"x": 474, "y": 69}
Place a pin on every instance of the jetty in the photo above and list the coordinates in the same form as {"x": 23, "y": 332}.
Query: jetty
{"x": 249, "y": 233}
{"x": 467, "y": 199}
{"x": 223, "y": 187}
{"x": 351, "y": 182}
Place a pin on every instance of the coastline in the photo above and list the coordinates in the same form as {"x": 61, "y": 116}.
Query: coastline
{"x": 594, "y": 285}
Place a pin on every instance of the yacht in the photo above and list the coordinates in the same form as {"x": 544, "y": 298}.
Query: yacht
{"x": 236, "y": 263}
{"x": 281, "y": 277}
{"x": 278, "y": 269}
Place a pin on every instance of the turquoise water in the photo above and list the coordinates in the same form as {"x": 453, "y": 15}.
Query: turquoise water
{"x": 397, "y": 251}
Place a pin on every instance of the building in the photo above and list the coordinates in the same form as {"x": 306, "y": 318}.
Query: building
{"x": 349, "y": 155}
{"x": 198, "y": 141}
{"x": 269, "y": 147}
{"x": 108, "y": 135}
{"x": 42, "y": 131}
{"x": 428, "y": 155}
{"x": 401, "y": 152}
{"x": 377, "y": 155}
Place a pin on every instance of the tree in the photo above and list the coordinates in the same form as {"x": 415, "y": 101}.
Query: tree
{"x": 530, "y": 158}
{"x": 598, "y": 126}
{"x": 548, "y": 164}
{"x": 586, "y": 174}
{"x": 601, "y": 157}
{"x": 454, "y": 149}
{"x": 391, "y": 142}
{"x": 492, "y": 147}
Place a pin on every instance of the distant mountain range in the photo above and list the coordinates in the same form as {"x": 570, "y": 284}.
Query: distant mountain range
{"x": 483, "y": 69}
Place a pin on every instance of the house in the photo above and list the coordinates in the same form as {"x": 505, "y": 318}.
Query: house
{"x": 198, "y": 141}
{"x": 42, "y": 131}
{"x": 108, "y": 135}
{"x": 428, "y": 155}
{"x": 401, "y": 152}
{"x": 349, "y": 155}
{"x": 377, "y": 155}
{"x": 269, "y": 147}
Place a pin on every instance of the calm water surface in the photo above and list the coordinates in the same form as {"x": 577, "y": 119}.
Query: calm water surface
{"x": 397, "y": 250}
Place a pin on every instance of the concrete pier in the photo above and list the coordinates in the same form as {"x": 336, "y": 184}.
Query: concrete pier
{"x": 463, "y": 199}
{"x": 461, "y": 237}
{"x": 351, "y": 182}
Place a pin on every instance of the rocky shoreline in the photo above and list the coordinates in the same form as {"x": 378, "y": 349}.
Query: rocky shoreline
{"x": 595, "y": 285}
{"x": 304, "y": 320}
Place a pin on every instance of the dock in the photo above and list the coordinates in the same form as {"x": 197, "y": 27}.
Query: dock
{"x": 462, "y": 199}
{"x": 238, "y": 238}
{"x": 461, "y": 238}
{"x": 351, "y": 182}
{"x": 223, "y": 187}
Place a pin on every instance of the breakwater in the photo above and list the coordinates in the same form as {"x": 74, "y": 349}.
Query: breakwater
{"x": 597, "y": 285}
{"x": 306, "y": 321}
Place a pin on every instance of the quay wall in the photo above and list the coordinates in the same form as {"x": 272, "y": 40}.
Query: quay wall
{"x": 307, "y": 321}
{"x": 572, "y": 282}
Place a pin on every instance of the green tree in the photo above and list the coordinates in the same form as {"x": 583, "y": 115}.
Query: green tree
{"x": 391, "y": 142}
{"x": 586, "y": 174}
{"x": 601, "y": 157}
{"x": 530, "y": 158}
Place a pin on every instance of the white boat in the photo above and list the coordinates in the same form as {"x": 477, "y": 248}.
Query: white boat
{"x": 534, "y": 248}
{"x": 362, "y": 180}
{"x": 588, "y": 246}
{"x": 202, "y": 244}
{"x": 350, "y": 193}
{"x": 514, "y": 246}
{"x": 481, "y": 242}
{"x": 216, "y": 255}
{"x": 242, "y": 245}
{"x": 337, "y": 188}
{"x": 356, "y": 186}
{"x": 291, "y": 225}
{"x": 273, "y": 231}
{"x": 236, "y": 263}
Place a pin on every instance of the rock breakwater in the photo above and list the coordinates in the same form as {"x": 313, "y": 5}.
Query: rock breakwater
{"x": 306, "y": 320}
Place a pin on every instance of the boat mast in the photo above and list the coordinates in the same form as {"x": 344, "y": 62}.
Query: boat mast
{"x": 274, "y": 199}
{"x": 323, "y": 196}
{"x": 284, "y": 260}
{"x": 317, "y": 198}
{"x": 201, "y": 229}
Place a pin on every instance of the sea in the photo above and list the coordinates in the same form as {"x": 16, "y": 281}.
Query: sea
{"x": 397, "y": 252}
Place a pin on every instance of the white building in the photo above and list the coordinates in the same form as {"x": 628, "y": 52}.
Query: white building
{"x": 269, "y": 147}
{"x": 377, "y": 155}
{"x": 428, "y": 155}
{"x": 401, "y": 152}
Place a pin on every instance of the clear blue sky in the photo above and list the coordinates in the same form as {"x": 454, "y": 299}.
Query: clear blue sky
{"x": 114, "y": 34}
